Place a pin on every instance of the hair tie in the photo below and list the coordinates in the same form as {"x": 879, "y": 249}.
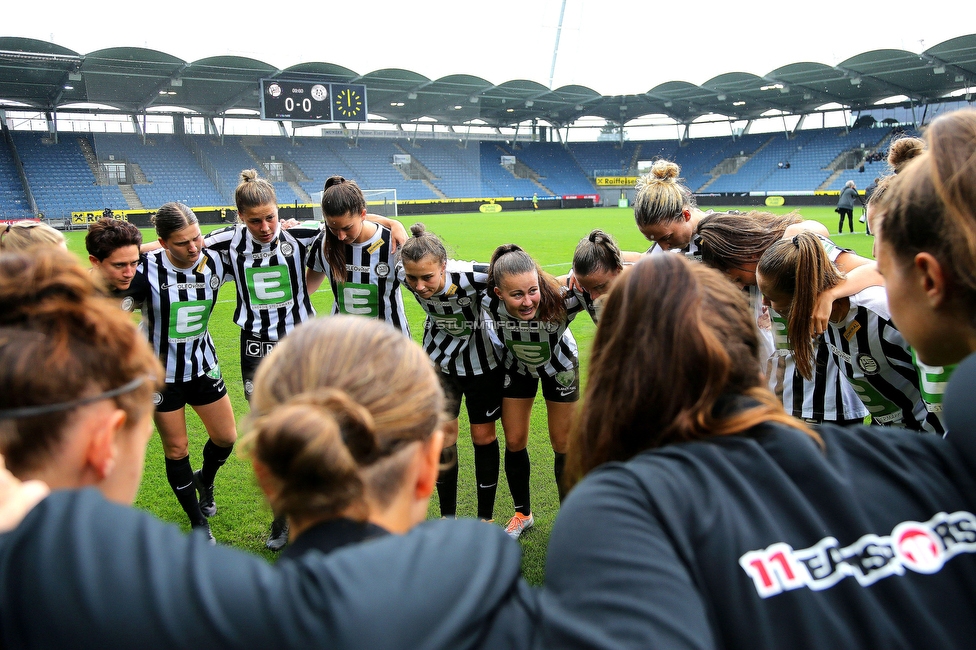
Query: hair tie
{"x": 796, "y": 240}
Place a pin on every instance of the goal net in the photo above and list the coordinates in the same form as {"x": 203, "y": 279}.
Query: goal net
{"x": 381, "y": 202}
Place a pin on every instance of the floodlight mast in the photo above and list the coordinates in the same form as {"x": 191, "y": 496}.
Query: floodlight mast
{"x": 555, "y": 49}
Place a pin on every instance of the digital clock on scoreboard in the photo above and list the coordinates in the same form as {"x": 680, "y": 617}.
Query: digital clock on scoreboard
{"x": 311, "y": 101}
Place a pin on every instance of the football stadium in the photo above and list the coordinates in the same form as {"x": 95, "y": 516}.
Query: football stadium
{"x": 143, "y": 137}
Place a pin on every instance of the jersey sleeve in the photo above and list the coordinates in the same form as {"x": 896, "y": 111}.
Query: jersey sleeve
{"x": 304, "y": 235}
{"x": 627, "y": 590}
{"x": 316, "y": 256}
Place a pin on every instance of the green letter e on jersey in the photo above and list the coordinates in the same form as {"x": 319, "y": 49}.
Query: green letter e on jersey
{"x": 188, "y": 320}
{"x": 358, "y": 299}
{"x": 269, "y": 285}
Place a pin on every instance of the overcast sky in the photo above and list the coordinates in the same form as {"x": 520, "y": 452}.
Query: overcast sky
{"x": 614, "y": 47}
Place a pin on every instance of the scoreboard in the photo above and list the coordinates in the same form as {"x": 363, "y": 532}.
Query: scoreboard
{"x": 311, "y": 101}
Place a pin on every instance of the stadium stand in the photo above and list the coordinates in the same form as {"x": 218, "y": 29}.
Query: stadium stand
{"x": 171, "y": 171}
{"x": 60, "y": 176}
{"x": 13, "y": 200}
{"x": 203, "y": 170}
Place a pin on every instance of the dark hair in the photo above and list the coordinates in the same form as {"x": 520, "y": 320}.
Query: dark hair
{"x": 641, "y": 395}
{"x": 60, "y": 342}
{"x": 172, "y": 217}
{"x": 799, "y": 267}
{"x": 730, "y": 241}
{"x": 930, "y": 206}
{"x": 422, "y": 244}
{"x": 105, "y": 236}
{"x": 596, "y": 252}
{"x": 339, "y": 198}
{"x": 660, "y": 198}
{"x": 509, "y": 259}
{"x": 253, "y": 191}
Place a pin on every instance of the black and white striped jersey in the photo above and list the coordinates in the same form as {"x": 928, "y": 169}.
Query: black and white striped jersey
{"x": 827, "y": 396}
{"x": 457, "y": 335}
{"x": 534, "y": 347}
{"x": 371, "y": 287}
{"x": 271, "y": 295}
{"x": 177, "y": 310}
{"x": 878, "y": 362}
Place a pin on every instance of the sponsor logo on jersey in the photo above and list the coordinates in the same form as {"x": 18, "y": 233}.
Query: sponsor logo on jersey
{"x": 358, "y": 299}
{"x": 867, "y": 364}
{"x": 127, "y": 303}
{"x": 184, "y": 286}
{"x": 463, "y": 301}
{"x": 353, "y": 268}
{"x": 922, "y": 547}
{"x": 258, "y": 349}
{"x": 269, "y": 287}
{"x": 531, "y": 353}
{"x": 382, "y": 269}
{"x": 214, "y": 282}
{"x": 552, "y": 328}
{"x": 286, "y": 248}
{"x": 851, "y": 330}
{"x": 188, "y": 320}
{"x": 840, "y": 353}
{"x": 214, "y": 373}
{"x": 263, "y": 256}
{"x": 374, "y": 246}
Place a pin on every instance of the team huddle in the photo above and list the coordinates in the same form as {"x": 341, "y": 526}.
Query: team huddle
{"x": 720, "y": 489}
{"x": 495, "y": 331}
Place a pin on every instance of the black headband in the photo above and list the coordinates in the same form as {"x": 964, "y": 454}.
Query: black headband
{"x": 45, "y": 409}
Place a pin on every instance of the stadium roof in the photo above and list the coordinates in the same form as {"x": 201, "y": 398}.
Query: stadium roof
{"x": 45, "y": 76}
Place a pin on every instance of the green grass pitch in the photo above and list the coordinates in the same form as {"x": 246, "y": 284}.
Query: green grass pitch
{"x": 548, "y": 235}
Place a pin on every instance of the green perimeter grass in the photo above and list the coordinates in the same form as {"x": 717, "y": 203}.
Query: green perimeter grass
{"x": 548, "y": 235}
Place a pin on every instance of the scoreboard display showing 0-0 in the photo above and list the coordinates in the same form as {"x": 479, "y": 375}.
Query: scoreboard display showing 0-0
{"x": 311, "y": 101}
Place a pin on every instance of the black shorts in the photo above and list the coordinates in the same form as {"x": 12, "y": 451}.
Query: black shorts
{"x": 564, "y": 387}
{"x": 203, "y": 390}
{"x": 253, "y": 350}
{"x": 482, "y": 395}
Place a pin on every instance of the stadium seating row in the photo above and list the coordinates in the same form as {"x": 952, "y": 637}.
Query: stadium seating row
{"x": 203, "y": 170}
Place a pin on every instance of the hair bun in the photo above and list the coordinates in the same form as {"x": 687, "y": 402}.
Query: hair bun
{"x": 665, "y": 170}
{"x": 249, "y": 175}
{"x": 904, "y": 150}
{"x": 418, "y": 230}
{"x": 355, "y": 422}
{"x": 333, "y": 180}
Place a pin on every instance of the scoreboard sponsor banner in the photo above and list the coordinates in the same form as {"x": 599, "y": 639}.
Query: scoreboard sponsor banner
{"x": 616, "y": 181}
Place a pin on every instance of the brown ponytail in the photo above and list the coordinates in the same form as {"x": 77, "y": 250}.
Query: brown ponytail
{"x": 641, "y": 395}
{"x": 799, "y": 267}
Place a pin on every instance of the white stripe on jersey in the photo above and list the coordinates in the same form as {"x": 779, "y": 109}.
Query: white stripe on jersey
{"x": 456, "y": 332}
{"x": 827, "y": 396}
{"x": 371, "y": 287}
{"x": 534, "y": 347}
{"x": 271, "y": 295}
{"x": 177, "y": 311}
{"x": 878, "y": 362}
